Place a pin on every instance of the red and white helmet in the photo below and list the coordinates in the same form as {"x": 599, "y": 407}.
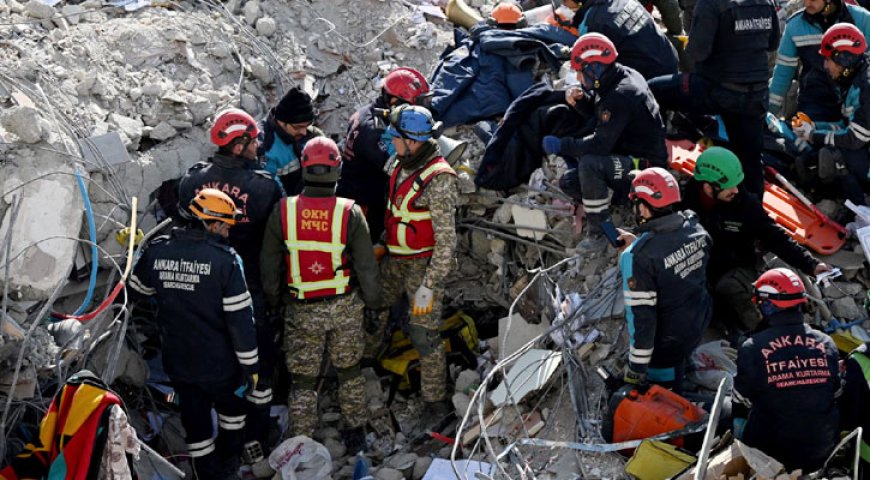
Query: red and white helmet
{"x": 592, "y": 48}
{"x": 781, "y": 287}
{"x": 407, "y": 84}
{"x": 843, "y": 38}
{"x": 655, "y": 186}
{"x": 321, "y": 151}
{"x": 232, "y": 124}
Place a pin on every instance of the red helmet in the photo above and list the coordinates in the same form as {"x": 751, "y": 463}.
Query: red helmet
{"x": 781, "y": 287}
{"x": 232, "y": 124}
{"x": 592, "y": 48}
{"x": 406, "y": 83}
{"x": 843, "y": 38}
{"x": 321, "y": 151}
{"x": 655, "y": 186}
{"x": 507, "y": 14}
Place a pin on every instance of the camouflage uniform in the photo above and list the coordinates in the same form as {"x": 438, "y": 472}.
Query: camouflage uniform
{"x": 405, "y": 275}
{"x": 335, "y": 323}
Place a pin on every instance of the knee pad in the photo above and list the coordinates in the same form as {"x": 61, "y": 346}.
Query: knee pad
{"x": 304, "y": 382}
{"x": 425, "y": 340}
{"x": 348, "y": 373}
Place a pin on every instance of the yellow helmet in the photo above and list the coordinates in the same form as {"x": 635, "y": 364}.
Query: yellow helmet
{"x": 212, "y": 204}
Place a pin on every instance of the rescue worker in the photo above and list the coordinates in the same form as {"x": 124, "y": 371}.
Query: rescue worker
{"x": 729, "y": 44}
{"x": 627, "y": 24}
{"x": 799, "y": 47}
{"x": 206, "y": 322}
{"x": 736, "y": 220}
{"x": 283, "y": 134}
{"x": 854, "y": 401}
{"x": 367, "y": 146}
{"x": 421, "y": 241}
{"x": 787, "y": 379}
{"x": 628, "y": 134}
{"x": 234, "y": 170}
{"x": 316, "y": 249}
{"x": 843, "y": 156}
{"x": 667, "y": 305}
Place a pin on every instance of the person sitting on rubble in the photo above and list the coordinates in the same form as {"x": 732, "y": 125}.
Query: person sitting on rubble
{"x": 855, "y": 400}
{"x": 784, "y": 396}
{"x": 235, "y": 171}
{"x": 843, "y": 157}
{"x": 642, "y": 46}
{"x": 799, "y": 56}
{"x": 736, "y": 220}
{"x": 421, "y": 240}
{"x": 206, "y": 320}
{"x": 628, "y": 132}
{"x": 283, "y": 134}
{"x": 322, "y": 244}
{"x": 663, "y": 267}
{"x": 367, "y": 146}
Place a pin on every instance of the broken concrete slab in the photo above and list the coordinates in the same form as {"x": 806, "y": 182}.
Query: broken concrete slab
{"x": 531, "y": 371}
{"x": 514, "y": 332}
{"x": 101, "y": 150}
{"x": 528, "y": 217}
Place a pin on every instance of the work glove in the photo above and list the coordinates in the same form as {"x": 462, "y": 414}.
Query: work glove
{"x": 633, "y": 377}
{"x": 803, "y": 127}
{"x": 249, "y": 386}
{"x": 423, "y": 300}
{"x": 122, "y": 236}
{"x": 552, "y": 145}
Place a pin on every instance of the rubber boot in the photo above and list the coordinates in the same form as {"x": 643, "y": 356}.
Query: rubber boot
{"x": 594, "y": 240}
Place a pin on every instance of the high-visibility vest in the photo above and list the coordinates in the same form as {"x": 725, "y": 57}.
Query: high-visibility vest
{"x": 864, "y": 362}
{"x": 409, "y": 228}
{"x": 315, "y": 234}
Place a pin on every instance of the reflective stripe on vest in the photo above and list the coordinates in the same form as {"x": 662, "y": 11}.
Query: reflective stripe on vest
{"x": 315, "y": 235}
{"x": 409, "y": 228}
{"x": 864, "y": 362}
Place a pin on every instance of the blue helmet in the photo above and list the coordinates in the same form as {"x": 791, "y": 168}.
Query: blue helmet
{"x": 413, "y": 122}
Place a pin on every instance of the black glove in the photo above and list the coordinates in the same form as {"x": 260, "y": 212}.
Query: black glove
{"x": 633, "y": 377}
{"x": 371, "y": 320}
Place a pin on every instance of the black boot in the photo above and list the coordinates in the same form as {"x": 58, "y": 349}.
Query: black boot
{"x": 355, "y": 440}
{"x": 594, "y": 240}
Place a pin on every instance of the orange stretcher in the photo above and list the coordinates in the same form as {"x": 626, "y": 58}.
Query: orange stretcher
{"x": 806, "y": 225}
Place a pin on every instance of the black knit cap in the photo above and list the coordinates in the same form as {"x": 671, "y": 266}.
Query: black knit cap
{"x": 295, "y": 107}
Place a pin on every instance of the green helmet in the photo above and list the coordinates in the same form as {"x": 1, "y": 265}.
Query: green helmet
{"x": 720, "y": 167}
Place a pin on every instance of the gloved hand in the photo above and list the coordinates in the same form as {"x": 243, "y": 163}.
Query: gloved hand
{"x": 552, "y": 145}
{"x": 122, "y": 236}
{"x": 249, "y": 386}
{"x": 379, "y": 251}
{"x": 632, "y": 377}
{"x": 803, "y": 127}
{"x": 423, "y": 300}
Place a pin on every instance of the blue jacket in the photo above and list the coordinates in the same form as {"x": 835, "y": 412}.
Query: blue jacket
{"x": 627, "y": 119}
{"x": 799, "y": 46}
{"x": 280, "y": 153}
{"x": 641, "y": 45}
{"x": 486, "y": 71}
{"x": 664, "y": 282}
{"x": 363, "y": 158}
{"x": 730, "y": 39}
{"x": 787, "y": 378}
{"x": 853, "y": 131}
{"x": 205, "y": 316}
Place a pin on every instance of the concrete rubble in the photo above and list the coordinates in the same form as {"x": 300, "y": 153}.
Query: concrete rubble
{"x": 140, "y": 86}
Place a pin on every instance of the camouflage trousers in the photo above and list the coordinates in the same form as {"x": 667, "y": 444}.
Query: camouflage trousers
{"x": 309, "y": 328}
{"x": 404, "y": 276}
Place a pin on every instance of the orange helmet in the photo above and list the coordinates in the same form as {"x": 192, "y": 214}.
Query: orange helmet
{"x": 233, "y": 124}
{"x": 781, "y": 287}
{"x": 213, "y": 204}
{"x": 407, "y": 84}
{"x": 507, "y": 15}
